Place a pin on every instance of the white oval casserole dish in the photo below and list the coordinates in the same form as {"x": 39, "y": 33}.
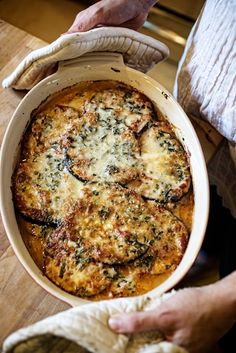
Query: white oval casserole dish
{"x": 102, "y": 66}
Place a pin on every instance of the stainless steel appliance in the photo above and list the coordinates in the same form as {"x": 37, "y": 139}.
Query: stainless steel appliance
{"x": 171, "y": 21}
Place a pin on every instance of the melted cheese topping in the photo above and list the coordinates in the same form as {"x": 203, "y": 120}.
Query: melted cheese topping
{"x": 43, "y": 188}
{"x": 47, "y": 128}
{"x": 89, "y": 280}
{"x": 107, "y": 241}
{"x": 109, "y": 224}
{"x": 100, "y": 148}
{"x": 165, "y": 171}
{"x": 128, "y": 106}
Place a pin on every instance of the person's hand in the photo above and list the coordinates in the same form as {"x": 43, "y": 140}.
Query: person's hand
{"x": 125, "y": 13}
{"x": 194, "y": 318}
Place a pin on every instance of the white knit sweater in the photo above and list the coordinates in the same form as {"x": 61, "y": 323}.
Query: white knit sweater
{"x": 206, "y": 87}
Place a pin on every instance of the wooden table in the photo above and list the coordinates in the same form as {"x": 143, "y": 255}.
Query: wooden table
{"x": 22, "y": 301}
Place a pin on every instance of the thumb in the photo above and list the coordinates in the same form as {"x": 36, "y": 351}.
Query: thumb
{"x": 135, "y": 322}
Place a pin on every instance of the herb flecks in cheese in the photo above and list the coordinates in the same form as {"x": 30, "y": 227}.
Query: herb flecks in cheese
{"x": 108, "y": 225}
{"x": 100, "y": 148}
{"x": 89, "y": 280}
{"x": 165, "y": 174}
{"x": 47, "y": 128}
{"x": 127, "y": 105}
{"x": 91, "y": 158}
{"x": 43, "y": 188}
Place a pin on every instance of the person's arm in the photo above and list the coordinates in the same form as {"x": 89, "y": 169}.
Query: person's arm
{"x": 125, "y": 13}
{"x": 194, "y": 318}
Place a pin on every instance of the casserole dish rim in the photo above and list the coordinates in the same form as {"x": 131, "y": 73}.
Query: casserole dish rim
{"x": 110, "y": 67}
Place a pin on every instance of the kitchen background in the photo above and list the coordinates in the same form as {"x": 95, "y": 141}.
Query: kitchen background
{"x": 169, "y": 21}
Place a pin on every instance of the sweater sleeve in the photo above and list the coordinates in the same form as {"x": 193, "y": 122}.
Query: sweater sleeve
{"x": 206, "y": 83}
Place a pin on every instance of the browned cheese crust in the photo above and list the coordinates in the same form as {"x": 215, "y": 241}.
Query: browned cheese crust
{"x": 171, "y": 238}
{"x": 92, "y": 158}
{"x": 108, "y": 224}
{"x": 84, "y": 279}
{"x": 43, "y": 189}
{"x": 164, "y": 253}
{"x": 113, "y": 226}
{"x": 124, "y": 103}
{"x": 47, "y": 128}
{"x": 165, "y": 174}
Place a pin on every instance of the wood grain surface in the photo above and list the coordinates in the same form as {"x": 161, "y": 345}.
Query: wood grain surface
{"x": 22, "y": 301}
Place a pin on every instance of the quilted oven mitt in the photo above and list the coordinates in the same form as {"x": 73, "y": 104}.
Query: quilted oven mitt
{"x": 139, "y": 51}
{"x": 85, "y": 329}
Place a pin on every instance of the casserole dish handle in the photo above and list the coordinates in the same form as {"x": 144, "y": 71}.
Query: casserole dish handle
{"x": 93, "y": 58}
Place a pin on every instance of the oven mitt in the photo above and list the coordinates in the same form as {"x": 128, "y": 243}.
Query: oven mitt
{"x": 85, "y": 329}
{"x": 139, "y": 51}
